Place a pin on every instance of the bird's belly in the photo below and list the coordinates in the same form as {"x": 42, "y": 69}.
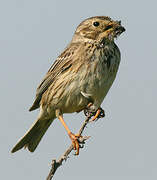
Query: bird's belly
{"x": 73, "y": 102}
{"x": 80, "y": 92}
{"x": 86, "y": 86}
{"x": 70, "y": 100}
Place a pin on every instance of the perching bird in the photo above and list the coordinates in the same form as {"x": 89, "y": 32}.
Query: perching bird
{"x": 79, "y": 78}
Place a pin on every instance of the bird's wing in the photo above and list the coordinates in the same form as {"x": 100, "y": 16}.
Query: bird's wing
{"x": 62, "y": 63}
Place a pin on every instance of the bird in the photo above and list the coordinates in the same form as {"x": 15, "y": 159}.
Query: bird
{"x": 79, "y": 79}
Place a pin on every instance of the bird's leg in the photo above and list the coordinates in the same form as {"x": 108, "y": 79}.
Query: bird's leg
{"x": 74, "y": 137}
{"x": 99, "y": 113}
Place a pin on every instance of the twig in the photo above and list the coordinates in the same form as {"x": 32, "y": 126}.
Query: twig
{"x": 56, "y": 164}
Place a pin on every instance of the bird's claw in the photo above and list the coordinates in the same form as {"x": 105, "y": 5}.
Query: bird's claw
{"x": 75, "y": 141}
{"x": 102, "y": 113}
{"x": 99, "y": 113}
{"x": 81, "y": 146}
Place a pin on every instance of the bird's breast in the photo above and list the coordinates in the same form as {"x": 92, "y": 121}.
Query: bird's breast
{"x": 103, "y": 69}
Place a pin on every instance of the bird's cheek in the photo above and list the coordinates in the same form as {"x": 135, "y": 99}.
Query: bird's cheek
{"x": 106, "y": 34}
{"x": 103, "y": 35}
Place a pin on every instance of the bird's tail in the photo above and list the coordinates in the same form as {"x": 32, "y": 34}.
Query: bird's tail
{"x": 33, "y": 136}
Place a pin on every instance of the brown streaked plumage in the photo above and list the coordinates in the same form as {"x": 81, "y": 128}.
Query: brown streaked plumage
{"x": 82, "y": 74}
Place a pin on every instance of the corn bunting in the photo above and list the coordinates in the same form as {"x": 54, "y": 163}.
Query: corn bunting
{"x": 79, "y": 78}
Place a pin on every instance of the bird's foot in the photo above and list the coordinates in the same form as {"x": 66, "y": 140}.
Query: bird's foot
{"x": 75, "y": 141}
{"x": 99, "y": 113}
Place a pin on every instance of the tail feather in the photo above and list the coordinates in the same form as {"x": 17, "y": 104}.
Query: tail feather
{"x": 33, "y": 136}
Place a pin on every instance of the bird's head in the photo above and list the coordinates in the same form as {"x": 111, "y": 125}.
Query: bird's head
{"x": 98, "y": 28}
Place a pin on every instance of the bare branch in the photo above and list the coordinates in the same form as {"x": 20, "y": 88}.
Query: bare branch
{"x": 56, "y": 164}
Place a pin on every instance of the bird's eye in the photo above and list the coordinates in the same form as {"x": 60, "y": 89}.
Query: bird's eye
{"x": 108, "y": 27}
{"x": 96, "y": 24}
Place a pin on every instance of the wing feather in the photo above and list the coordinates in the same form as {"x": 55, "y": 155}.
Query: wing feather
{"x": 62, "y": 63}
